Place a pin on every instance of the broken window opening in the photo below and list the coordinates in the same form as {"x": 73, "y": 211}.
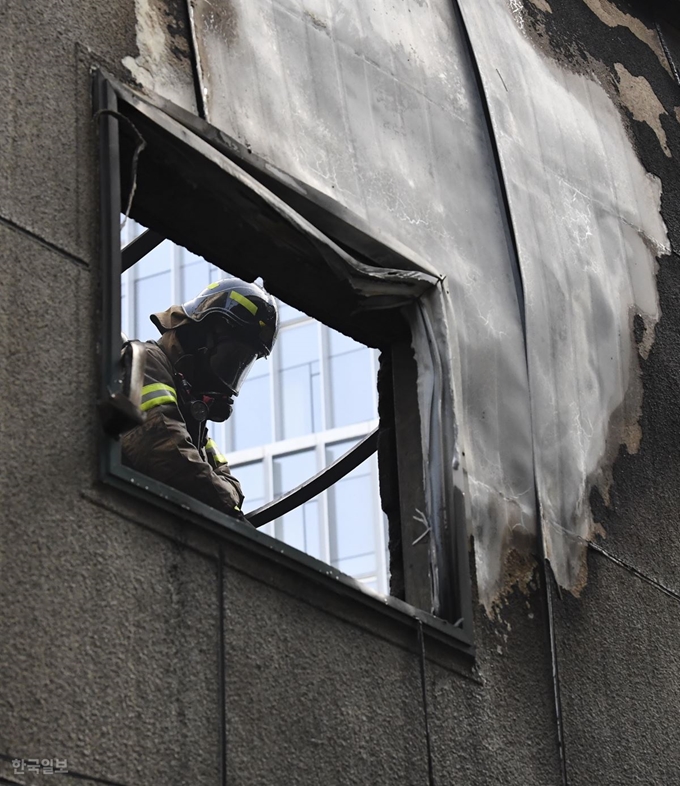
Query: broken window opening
{"x": 298, "y": 412}
{"x": 193, "y": 196}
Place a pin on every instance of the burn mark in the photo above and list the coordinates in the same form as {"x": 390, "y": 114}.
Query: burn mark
{"x": 163, "y": 61}
{"x": 612, "y": 16}
{"x": 640, "y": 99}
{"x": 316, "y": 20}
{"x": 638, "y": 328}
{"x": 542, "y": 5}
{"x": 177, "y": 25}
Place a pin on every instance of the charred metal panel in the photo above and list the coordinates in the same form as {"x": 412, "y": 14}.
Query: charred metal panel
{"x": 377, "y": 106}
{"x": 587, "y": 219}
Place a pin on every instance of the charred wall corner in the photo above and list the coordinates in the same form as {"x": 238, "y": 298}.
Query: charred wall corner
{"x": 164, "y": 63}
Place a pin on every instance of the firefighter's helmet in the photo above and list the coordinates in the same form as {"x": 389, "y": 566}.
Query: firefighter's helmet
{"x": 241, "y": 322}
{"x": 247, "y": 307}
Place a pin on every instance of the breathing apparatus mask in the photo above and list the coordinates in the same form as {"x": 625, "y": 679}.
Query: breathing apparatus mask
{"x": 214, "y": 368}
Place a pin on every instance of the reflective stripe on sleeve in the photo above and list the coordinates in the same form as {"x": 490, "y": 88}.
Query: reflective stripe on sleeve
{"x": 211, "y": 448}
{"x": 156, "y": 394}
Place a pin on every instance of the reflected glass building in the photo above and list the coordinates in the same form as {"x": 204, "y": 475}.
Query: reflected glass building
{"x": 297, "y": 412}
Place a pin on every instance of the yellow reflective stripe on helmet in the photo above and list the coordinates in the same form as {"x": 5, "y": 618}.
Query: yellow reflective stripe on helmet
{"x": 244, "y": 301}
{"x": 211, "y": 448}
{"x": 156, "y": 394}
{"x": 213, "y": 285}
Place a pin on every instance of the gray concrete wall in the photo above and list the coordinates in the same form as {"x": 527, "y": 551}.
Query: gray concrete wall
{"x": 130, "y": 648}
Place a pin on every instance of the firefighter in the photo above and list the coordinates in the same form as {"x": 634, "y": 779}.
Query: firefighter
{"x": 193, "y": 372}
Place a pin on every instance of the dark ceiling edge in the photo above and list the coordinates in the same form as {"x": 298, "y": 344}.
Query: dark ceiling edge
{"x": 341, "y": 224}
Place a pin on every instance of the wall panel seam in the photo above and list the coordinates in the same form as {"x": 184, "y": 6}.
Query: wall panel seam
{"x": 6, "y": 222}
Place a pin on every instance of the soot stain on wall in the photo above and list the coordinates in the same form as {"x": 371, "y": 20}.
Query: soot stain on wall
{"x": 639, "y": 484}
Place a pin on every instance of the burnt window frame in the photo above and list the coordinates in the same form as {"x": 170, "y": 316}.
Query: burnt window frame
{"x": 398, "y": 395}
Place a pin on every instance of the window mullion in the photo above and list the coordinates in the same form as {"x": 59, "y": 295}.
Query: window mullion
{"x": 324, "y": 517}
{"x": 324, "y": 378}
{"x": 268, "y": 467}
{"x": 275, "y": 396}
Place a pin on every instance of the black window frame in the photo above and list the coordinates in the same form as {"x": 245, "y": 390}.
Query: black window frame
{"x": 109, "y": 98}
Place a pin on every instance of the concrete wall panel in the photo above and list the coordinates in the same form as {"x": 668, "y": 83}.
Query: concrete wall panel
{"x": 500, "y": 729}
{"x": 108, "y": 637}
{"x": 620, "y": 675}
{"x": 45, "y": 123}
{"x": 313, "y": 700}
{"x": 109, "y": 647}
{"x": 47, "y": 372}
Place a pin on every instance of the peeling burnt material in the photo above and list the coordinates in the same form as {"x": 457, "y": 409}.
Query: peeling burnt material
{"x": 163, "y": 63}
{"x": 602, "y": 287}
{"x": 637, "y": 96}
{"x": 579, "y": 39}
{"x": 643, "y": 495}
{"x": 177, "y": 20}
{"x": 638, "y": 328}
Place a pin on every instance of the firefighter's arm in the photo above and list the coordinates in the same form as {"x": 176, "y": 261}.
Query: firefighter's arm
{"x": 162, "y": 449}
{"x": 219, "y": 462}
{"x": 220, "y": 465}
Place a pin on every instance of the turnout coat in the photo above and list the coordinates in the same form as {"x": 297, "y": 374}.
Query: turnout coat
{"x": 173, "y": 447}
